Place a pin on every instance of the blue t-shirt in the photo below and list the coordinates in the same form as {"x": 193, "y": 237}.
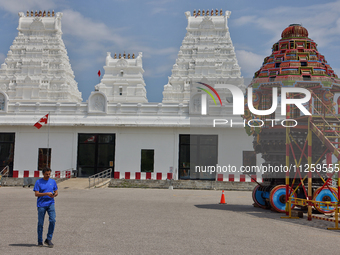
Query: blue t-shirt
{"x": 44, "y": 186}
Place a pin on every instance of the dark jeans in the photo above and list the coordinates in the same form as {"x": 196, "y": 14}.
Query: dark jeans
{"x": 41, "y": 216}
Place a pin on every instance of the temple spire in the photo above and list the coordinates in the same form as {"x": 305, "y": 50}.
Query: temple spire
{"x": 206, "y": 55}
{"x": 38, "y": 70}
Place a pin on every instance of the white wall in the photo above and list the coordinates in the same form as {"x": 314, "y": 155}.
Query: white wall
{"x": 129, "y": 143}
{"x": 28, "y": 140}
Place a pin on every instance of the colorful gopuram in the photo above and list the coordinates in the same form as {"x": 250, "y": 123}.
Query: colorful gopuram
{"x": 294, "y": 62}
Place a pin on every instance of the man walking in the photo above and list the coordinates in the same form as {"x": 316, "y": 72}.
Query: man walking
{"x": 46, "y": 190}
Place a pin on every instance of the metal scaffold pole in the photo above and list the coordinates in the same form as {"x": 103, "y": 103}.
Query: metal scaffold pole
{"x": 287, "y": 172}
{"x": 338, "y": 180}
{"x": 309, "y": 169}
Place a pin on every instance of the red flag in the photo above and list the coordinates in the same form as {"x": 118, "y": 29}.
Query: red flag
{"x": 43, "y": 120}
{"x": 99, "y": 73}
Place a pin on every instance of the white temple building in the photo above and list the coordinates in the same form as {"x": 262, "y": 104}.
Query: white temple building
{"x": 117, "y": 127}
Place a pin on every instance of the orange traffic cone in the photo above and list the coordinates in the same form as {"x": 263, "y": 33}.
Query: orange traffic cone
{"x": 222, "y": 198}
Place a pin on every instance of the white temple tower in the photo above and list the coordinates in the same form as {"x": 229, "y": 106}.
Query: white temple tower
{"x": 37, "y": 68}
{"x": 206, "y": 55}
{"x": 123, "y": 80}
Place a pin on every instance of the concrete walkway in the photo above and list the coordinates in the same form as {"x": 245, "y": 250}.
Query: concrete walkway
{"x": 74, "y": 183}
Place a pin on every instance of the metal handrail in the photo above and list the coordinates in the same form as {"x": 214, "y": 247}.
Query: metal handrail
{"x": 106, "y": 174}
{"x": 4, "y": 173}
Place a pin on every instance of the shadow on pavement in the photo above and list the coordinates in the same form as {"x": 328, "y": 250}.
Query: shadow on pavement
{"x": 23, "y": 245}
{"x": 268, "y": 214}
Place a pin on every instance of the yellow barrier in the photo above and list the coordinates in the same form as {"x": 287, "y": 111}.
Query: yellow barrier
{"x": 305, "y": 202}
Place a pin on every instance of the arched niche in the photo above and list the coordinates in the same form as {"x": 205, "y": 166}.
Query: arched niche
{"x": 97, "y": 102}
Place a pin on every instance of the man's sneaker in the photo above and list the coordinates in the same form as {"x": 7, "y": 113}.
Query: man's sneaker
{"x": 49, "y": 243}
{"x": 40, "y": 244}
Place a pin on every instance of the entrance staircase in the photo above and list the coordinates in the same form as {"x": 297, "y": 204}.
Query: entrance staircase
{"x": 74, "y": 183}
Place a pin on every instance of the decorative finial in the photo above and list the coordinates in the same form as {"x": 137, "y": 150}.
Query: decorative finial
{"x": 203, "y": 12}
{"x": 28, "y": 13}
{"x": 36, "y": 13}
{"x": 48, "y": 14}
{"x": 31, "y": 13}
{"x": 40, "y": 13}
{"x": 124, "y": 55}
{"x": 44, "y": 14}
{"x": 216, "y": 12}
{"x": 199, "y": 12}
{"x": 53, "y": 13}
{"x": 115, "y": 56}
{"x": 207, "y": 13}
{"x": 133, "y": 56}
{"x": 221, "y": 12}
{"x": 129, "y": 56}
{"x": 212, "y": 12}
{"x": 120, "y": 56}
{"x": 194, "y": 14}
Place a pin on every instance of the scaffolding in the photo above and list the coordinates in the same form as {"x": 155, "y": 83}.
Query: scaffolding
{"x": 326, "y": 126}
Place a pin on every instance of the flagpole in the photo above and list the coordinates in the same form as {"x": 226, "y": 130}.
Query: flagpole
{"x": 48, "y": 138}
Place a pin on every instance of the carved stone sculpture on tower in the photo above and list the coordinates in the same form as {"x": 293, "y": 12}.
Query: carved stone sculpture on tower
{"x": 37, "y": 68}
{"x": 206, "y": 55}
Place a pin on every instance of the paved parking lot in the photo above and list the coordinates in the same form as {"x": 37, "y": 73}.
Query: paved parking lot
{"x": 154, "y": 221}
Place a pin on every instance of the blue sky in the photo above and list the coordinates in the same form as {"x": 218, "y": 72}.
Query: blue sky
{"x": 157, "y": 28}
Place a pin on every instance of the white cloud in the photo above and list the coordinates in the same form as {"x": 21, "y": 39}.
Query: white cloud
{"x": 321, "y": 20}
{"x": 249, "y": 62}
{"x": 91, "y": 39}
{"x": 159, "y": 6}
{"x": 244, "y": 20}
{"x": 15, "y": 6}
{"x": 86, "y": 35}
{"x": 75, "y": 24}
